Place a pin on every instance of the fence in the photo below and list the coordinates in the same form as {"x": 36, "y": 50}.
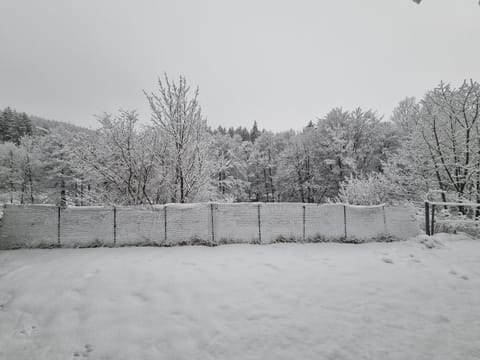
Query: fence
{"x": 208, "y": 223}
{"x": 464, "y": 214}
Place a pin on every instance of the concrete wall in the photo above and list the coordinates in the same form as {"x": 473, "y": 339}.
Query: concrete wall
{"x": 281, "y": 221}
{"x": 86, "y": 226}
{"x": 365, "y": 222}
{"x": 236, "y": 223}
{"x": 187, "y": 222}
{"x": 173, "y": 224}
{"x": 29, "y": 226}
{"x": 137, "y": 226}
{"x": 324, "y": 222}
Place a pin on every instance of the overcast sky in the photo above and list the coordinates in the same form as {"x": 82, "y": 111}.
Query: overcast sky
{"x": 279, "y": 62}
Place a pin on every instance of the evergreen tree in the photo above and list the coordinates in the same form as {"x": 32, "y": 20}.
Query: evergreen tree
{"x": 7, "y": 130}
{"x": 13, "y": 126}
{"x": 3, "y": 127}
{"x": 254, "y": 133}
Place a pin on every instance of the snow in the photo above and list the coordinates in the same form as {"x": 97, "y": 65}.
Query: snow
{"x": 417, "y": 299}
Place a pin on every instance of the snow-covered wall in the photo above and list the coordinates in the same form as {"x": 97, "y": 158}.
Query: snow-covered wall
{"x": 29, "y": 226}
{"x": 212, "y": 223}
{"x": 86, "y": 226}
{"x": 365, "y": 222}
{"x": 136, "y": 226}
{"x": 236, "y": 222}
{"x": 324, "y": 222}
{"x": 186, "y": 222}
{"x": 281, "y": 221}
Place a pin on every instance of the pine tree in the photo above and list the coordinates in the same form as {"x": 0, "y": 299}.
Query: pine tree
{"x": 23, "y": 126}
{"x": 8, "y": 125}
{"x": 254, "y": 133}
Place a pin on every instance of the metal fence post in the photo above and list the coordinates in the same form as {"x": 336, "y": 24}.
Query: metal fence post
{"x": 427, "y": 218}
{"x": 432, "y": 226}
{"x": 213, "y": 229}
{"x": 345, "y": 219}
{"x": 384, "y": 220}
{"x": 58, "y": 225}
{"x": 114, "y": 226}
{"x": 165, "y": 221}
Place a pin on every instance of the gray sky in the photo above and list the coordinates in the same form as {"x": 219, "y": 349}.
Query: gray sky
{"x": 279, "y": 62}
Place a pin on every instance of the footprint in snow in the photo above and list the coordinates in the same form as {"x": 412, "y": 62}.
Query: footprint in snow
{"x": 28, "y": 330}
{"x": 190, "y": 264}
{"x": 461, "y": 274}
{"x": 387, "y": 260}
{"x": 85, "y": 353}
{"x": 441, "y": 319}
{"x": 28, "y": 325}
{"x": 271, "y": 266}
{"x": 5, "y": 298}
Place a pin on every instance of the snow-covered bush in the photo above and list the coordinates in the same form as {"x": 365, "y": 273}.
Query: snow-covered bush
{"x": 372, "y": 189}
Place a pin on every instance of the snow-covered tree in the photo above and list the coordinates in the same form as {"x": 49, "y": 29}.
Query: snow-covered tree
{"x": 229, "y": 157}
{"x": 14, "y": 125}
{"x": 59, "y": 170}
{"x": 128, "y": 162}
{"x": 177, "y": 118}
{"x": 371, "y": 189}
{"x": 441, "y": 140}
{"x": 10, "y": 176}
{"x": 30, "y": 169}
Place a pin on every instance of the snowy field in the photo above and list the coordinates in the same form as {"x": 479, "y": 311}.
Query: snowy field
{"x": 405, "y": 300}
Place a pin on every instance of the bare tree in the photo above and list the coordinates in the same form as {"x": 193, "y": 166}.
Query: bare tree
{"x": 442, "y": 135}
{"x": 177, "y": 117}
{"x": 129, "y": 161}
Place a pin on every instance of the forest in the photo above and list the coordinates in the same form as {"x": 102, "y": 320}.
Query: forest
{"x": 353, "y": 156}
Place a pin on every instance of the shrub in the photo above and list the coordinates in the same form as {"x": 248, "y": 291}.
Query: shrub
{"x": 373, "y": 189}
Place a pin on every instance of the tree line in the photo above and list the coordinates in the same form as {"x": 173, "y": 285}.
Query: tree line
{"x": 14, "y": 125}
{"x": 349, "y": 156}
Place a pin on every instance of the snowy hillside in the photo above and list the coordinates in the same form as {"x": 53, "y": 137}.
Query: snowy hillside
{"x": 417, "y": 299}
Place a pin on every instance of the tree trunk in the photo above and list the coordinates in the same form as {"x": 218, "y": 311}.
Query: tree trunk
{"x": 30, "y": 180}
{"x": 265, "y": 182}
{"x": 63, "y": 192}
{"x": 271, "y": 183}
{"x": 81, "y": 194}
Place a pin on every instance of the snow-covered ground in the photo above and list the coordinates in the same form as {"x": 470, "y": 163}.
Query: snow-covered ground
{"x": 405, "y": 300}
